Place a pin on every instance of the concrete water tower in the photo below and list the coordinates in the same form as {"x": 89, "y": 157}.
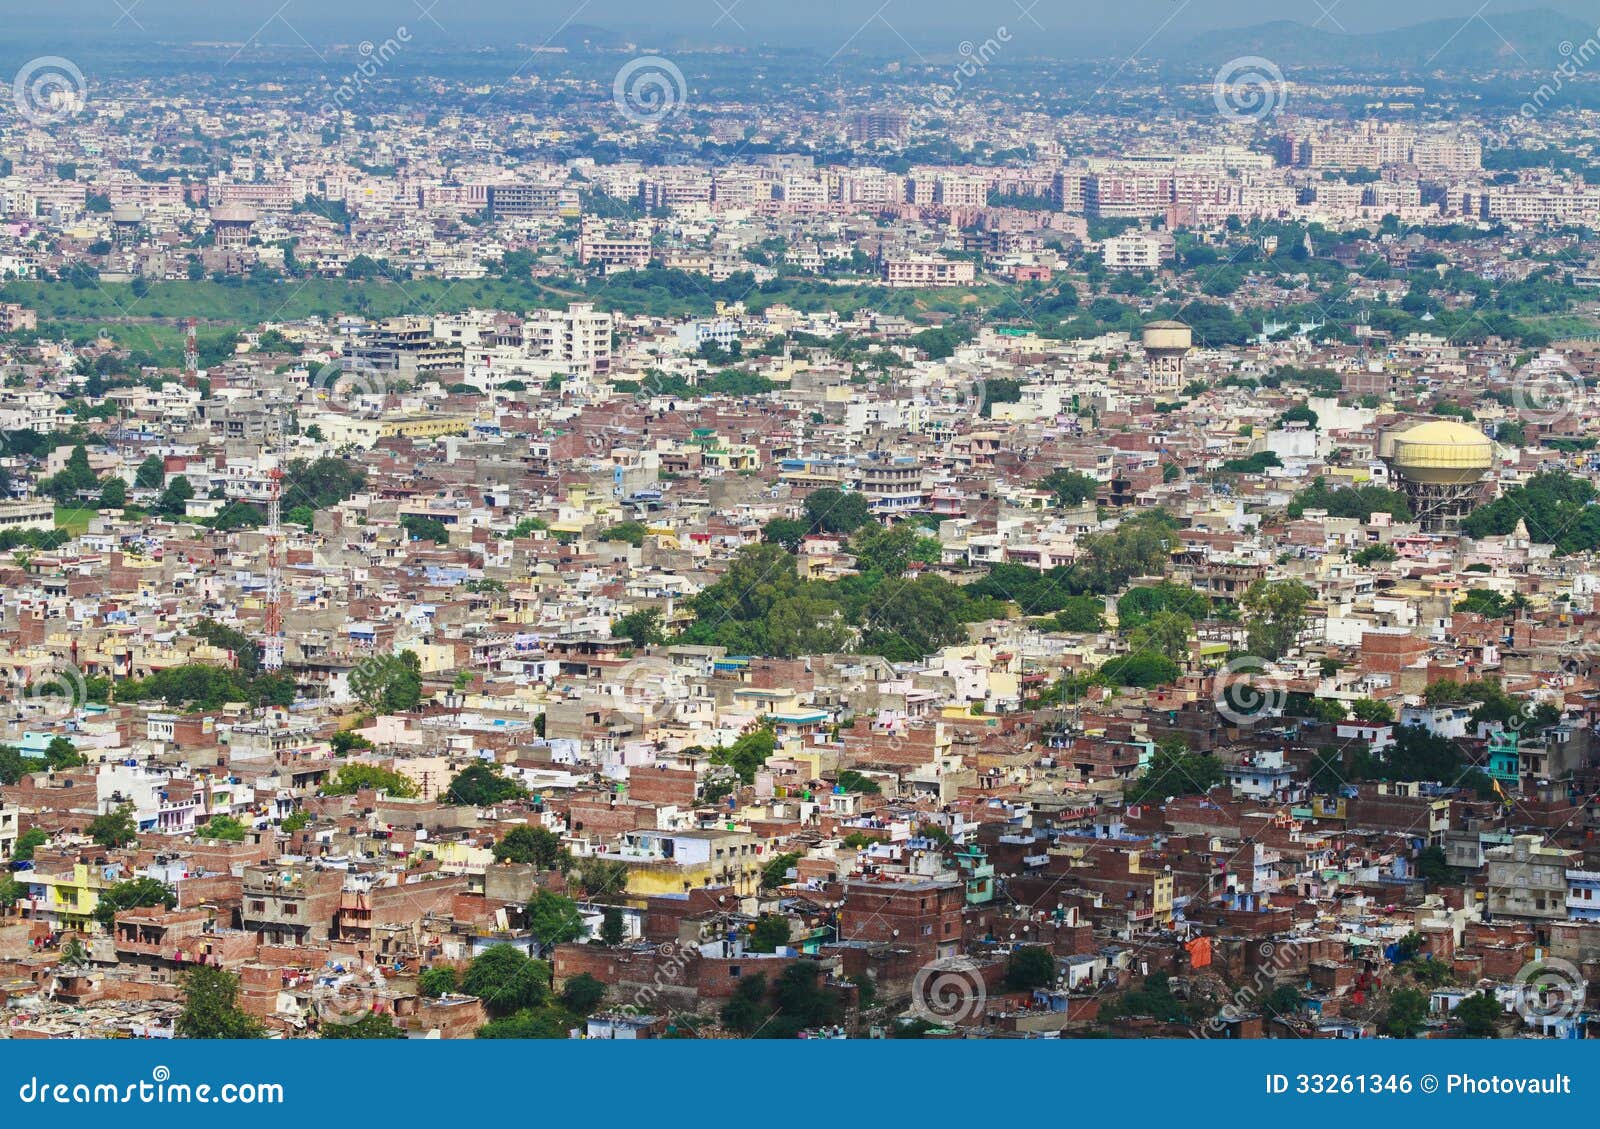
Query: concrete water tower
{"x": 231, "y": 223}
{"x": 127, "y": 221}
{"x": 1166, "y": 343}
{"x": 1440, "y": 467}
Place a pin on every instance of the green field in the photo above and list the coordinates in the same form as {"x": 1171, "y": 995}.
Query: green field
{"x": 74, "y": 519}
{"x": 252, "y": 302}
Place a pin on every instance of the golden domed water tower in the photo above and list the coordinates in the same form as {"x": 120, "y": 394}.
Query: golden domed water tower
{"x": 1440, "y": 467}
{"x": 1166, "y": 343}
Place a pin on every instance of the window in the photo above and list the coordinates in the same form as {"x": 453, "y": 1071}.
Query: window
{"x": 733, "y": 971}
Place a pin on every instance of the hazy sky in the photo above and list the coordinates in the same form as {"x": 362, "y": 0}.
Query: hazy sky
{"x": 808, "y": 22}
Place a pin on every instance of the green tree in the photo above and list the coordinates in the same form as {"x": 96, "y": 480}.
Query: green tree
{"x": 28, "y": 842}
{"x": 1277, "y": 616}
{"x": 1485, "y": 602}
{"x": 352, "y": 778}
{"x": 1478, "y": 1016}
{"x": 525, "y": 844}
{"x": 62, "y": 753}
{"x": 642, "y": 627}
{"x": 1082, "y": 615}
{"x": 1138, "y": 606}
{"x": 1166, "y": 633}
{"x": 598, "y": 877}
{"x": 892, "y": 550}
{"x": 837, "y": 511}
{"x": 1071, "y": 488}
{"x": 554, "y": 919}
{"x": 507, "y": 980}
{"x": 1283, "y": 1001}
{"x": 748, "y": 753}
{"x": 1408, "y": 1009}
{"x": 1144, "y": 669}
{"x": 222, "y": 827}
{"x": 582, "y": 994}
{"x": 909, "y": 621}
{"x": 1175, "y": 771}
{"x": 114, "y": 828}
{"x": 132, "y": 894}
{"x": 440, "y": 980}
{"x": 803, "y": 1002}
{"x": 113, "y": 494}
{"x": 373, "y": 1025}
{"x": 785, "y": 531}
{"x": 530, "y": 1023}
{"x": 1434, "y": 866}
{"x": 747, "y": 1008}
{"x": 1029, "y": 967}
{"x": 210, "y": 1007}
{"x": 481, "y": 785}
{"x": 629, "y": 532}
{"x": 1372, "y": 711}
{"x": 771, "y": 930}
{"x": 420, "y": 528}
{"x": 152, "y": 473}
{"x": 388, "y": 683}
{"x": 175, "y": 497}
{"x": 612, "y": 931}
{"x": 1374, "y": 554}
{"x": 776, "y": 871}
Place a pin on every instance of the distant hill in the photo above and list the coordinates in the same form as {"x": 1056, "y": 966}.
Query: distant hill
{"x": 586, "y": 37}
{"x": 1459, "y": 43}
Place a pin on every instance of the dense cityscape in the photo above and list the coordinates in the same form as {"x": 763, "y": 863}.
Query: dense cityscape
{"x": 671, "y": 541}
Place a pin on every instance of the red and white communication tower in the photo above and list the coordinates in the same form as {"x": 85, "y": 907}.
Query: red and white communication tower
{"x": 272, "y": 625}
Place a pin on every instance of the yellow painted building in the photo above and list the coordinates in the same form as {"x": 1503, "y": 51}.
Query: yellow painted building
{"x": 341, "y": 429}
{"x": 68, "y": 899}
